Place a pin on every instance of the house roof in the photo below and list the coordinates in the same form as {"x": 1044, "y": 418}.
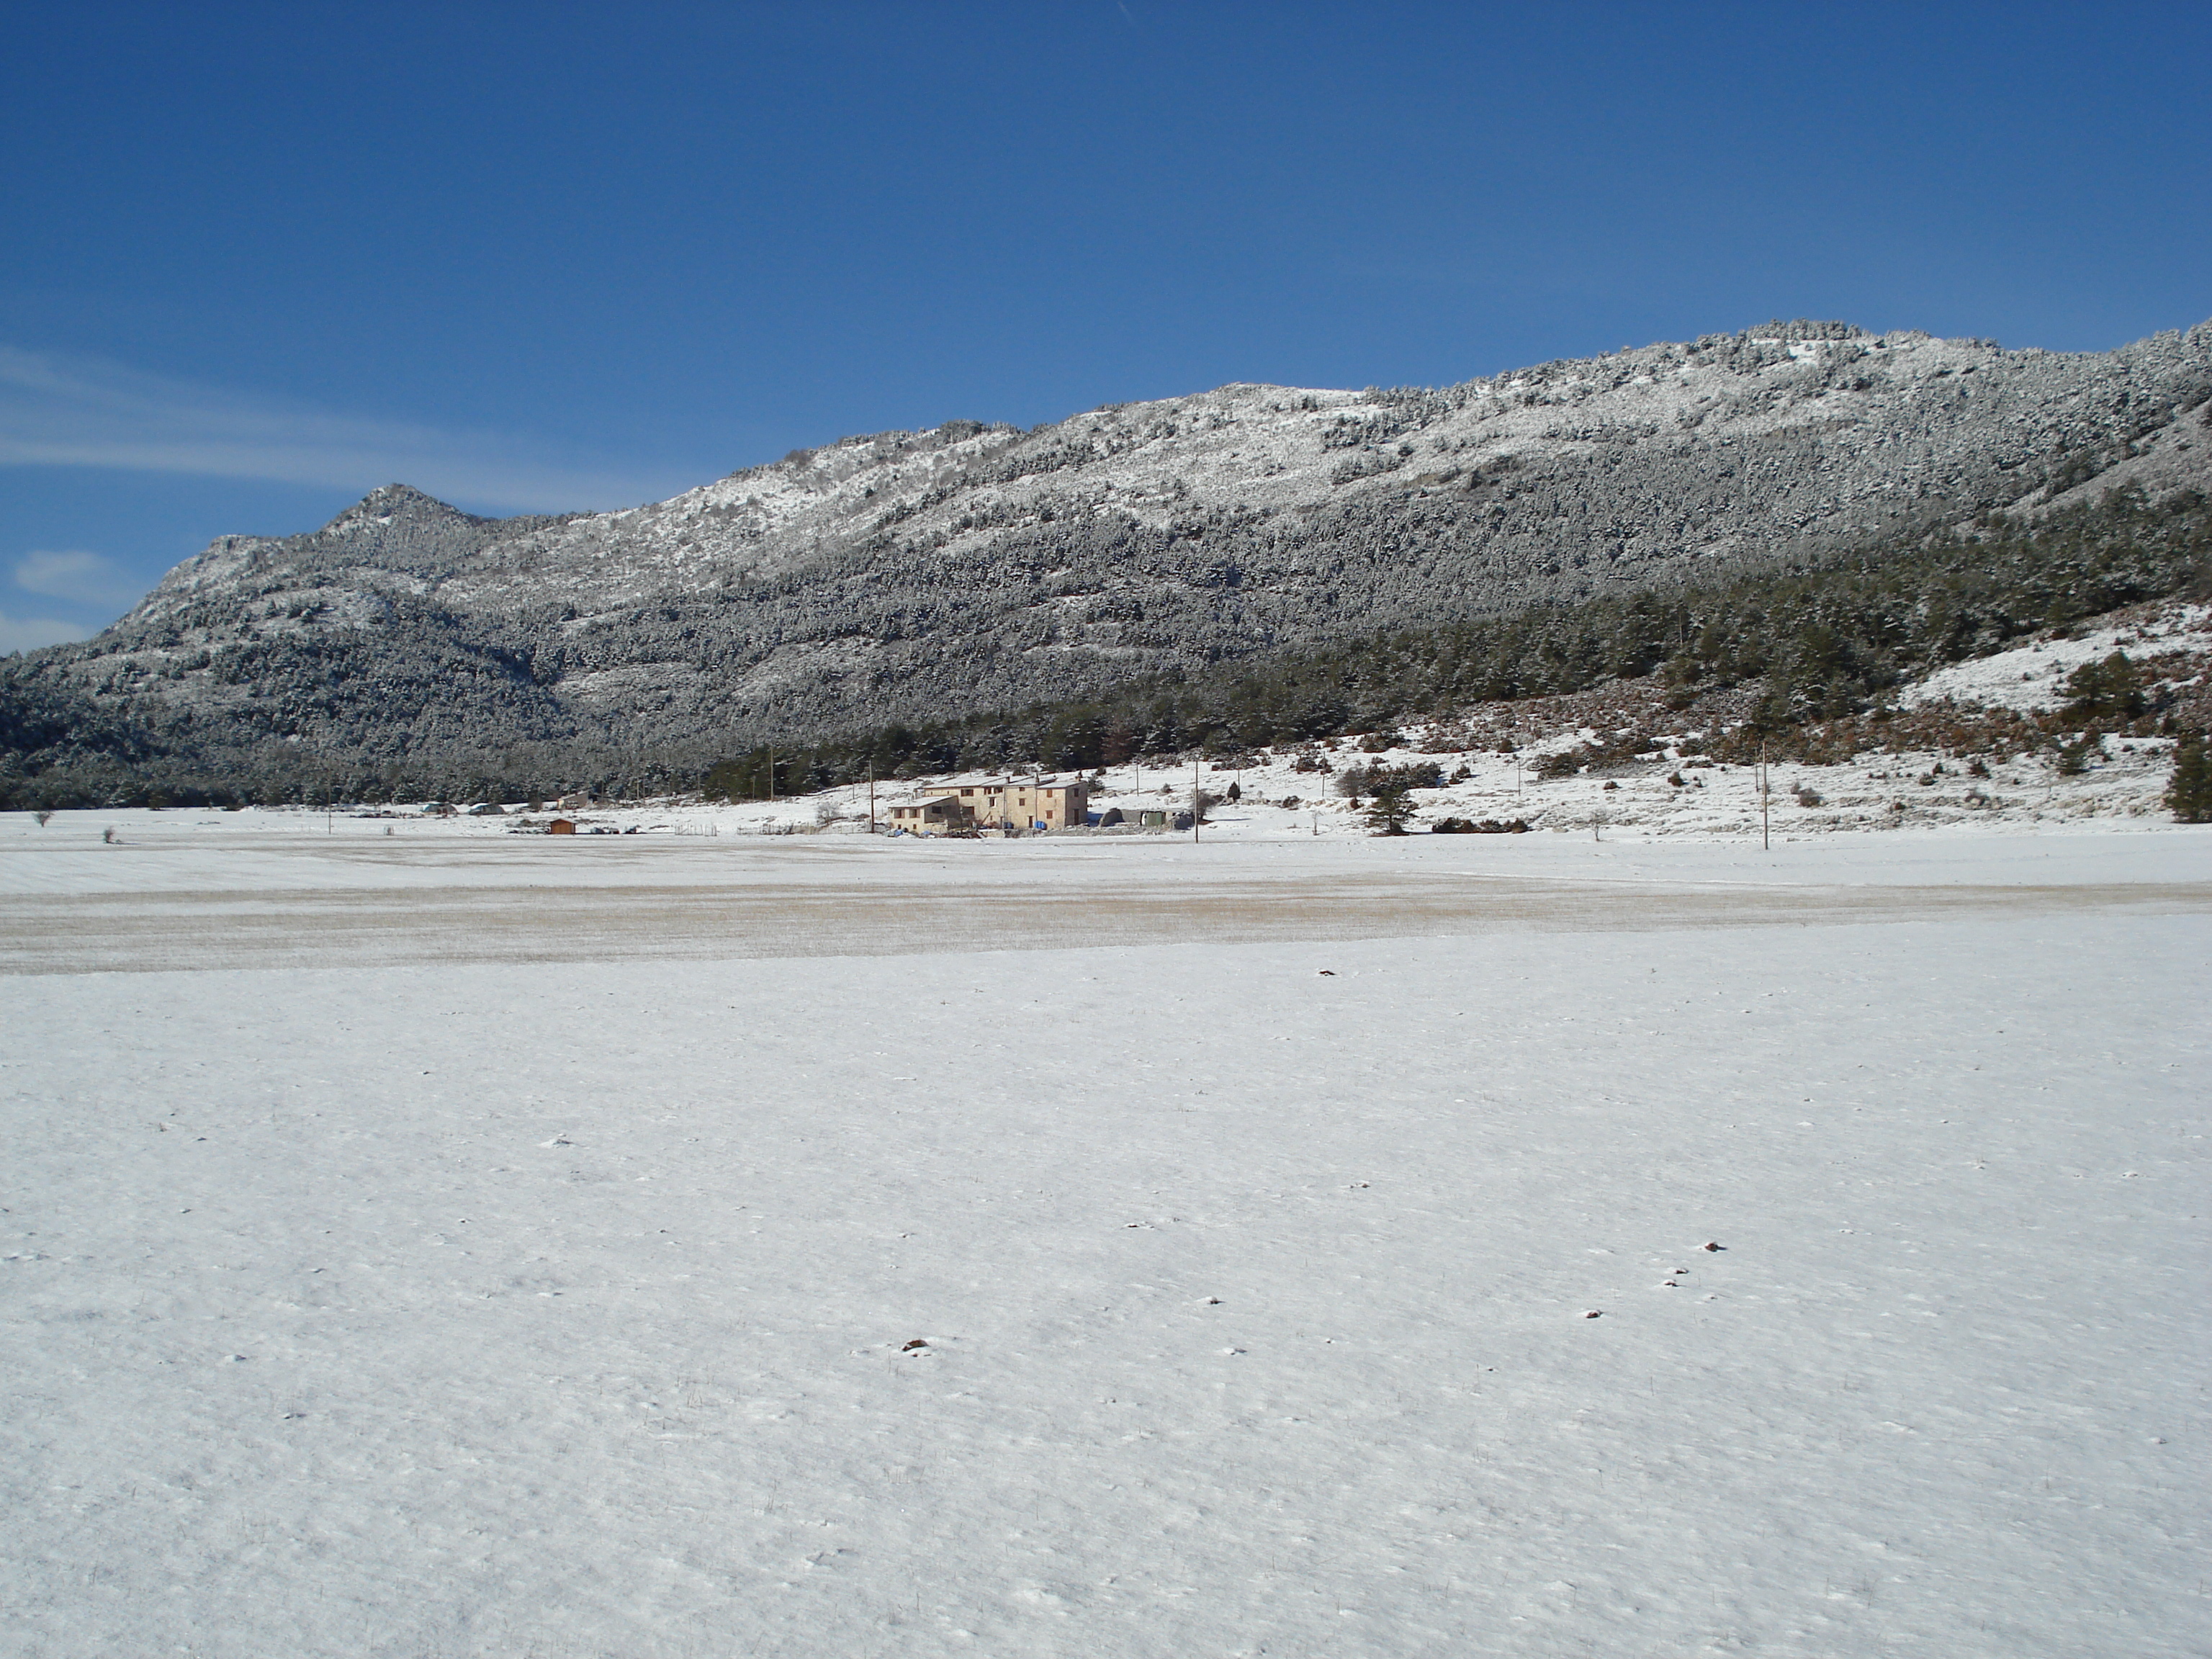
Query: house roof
{"x": 1049, "y": 782}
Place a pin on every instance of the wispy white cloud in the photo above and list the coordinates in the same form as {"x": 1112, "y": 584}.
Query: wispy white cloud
{"x": 84, "y": 578}
{"x": 68, "y": 412}
{"x": 28, "y": 632}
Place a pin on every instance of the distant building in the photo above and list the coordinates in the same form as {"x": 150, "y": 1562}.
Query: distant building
{"x": 939, "y": 816}
{"x": 560, "y": 827}
{"x": 967, "y": 808}
{"x": 1143, "y": 817}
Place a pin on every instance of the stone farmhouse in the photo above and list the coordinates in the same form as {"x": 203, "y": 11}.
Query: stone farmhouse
{"x": 1001, "y": 805}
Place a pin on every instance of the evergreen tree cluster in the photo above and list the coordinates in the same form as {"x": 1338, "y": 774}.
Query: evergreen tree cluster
{"x": 1825, "y": 639}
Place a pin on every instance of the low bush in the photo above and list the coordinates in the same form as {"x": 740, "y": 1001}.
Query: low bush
{"x": 2074, "y": 757}
{"x": 1478, "y": 827}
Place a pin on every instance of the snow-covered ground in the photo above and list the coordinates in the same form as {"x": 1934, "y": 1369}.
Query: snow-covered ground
{"x": 2121, "y": 788}
{"x": 2032, "y": 676}
{"x": 1874, "y": 792}
{"x": 454, "y": 1243}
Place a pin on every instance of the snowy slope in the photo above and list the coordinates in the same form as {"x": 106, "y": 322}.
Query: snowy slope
{"x": 2177, "y": 643}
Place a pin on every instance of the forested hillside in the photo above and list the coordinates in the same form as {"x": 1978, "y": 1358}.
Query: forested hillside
{"x": 1821, "y": 641}
{"x": 1360, "y": 553}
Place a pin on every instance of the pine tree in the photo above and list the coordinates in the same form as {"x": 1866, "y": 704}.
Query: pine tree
{"x": 1390, "y": 810}
{"x": 2189, "y": 793}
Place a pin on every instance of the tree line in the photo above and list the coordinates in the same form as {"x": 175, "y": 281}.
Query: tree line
{"x": 1824, "y": 639}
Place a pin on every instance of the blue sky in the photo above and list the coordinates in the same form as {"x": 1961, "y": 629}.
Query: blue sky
{"x": 261, "y": 259}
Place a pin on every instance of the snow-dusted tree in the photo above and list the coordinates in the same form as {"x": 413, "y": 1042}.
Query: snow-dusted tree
{"x": 2189, "y": 793}
{"x": 1388, "y": 814}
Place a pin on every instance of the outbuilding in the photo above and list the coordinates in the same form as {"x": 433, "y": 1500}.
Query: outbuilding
{"x": 938, "y": 816}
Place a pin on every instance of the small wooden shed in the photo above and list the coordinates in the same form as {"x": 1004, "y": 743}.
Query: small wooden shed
{"x": 560, "y": 827}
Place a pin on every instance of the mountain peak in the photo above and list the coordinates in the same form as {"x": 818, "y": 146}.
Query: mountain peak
{"x": 396, "y": 503}
{"x": 1804, "y": 328}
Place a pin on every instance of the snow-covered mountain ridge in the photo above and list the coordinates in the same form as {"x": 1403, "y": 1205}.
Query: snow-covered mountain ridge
{"x": 913, "y": 575}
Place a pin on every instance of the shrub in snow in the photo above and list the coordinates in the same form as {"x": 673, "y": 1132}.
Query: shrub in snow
{"x": 2074, "y": 757}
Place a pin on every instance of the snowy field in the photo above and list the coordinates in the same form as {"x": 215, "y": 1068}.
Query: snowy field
{"x": 448, "y": 1243}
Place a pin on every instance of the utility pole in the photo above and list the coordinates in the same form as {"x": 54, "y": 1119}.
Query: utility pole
{"x": 1766, "y": 842}
{"x": 871, "y": 798}
{"x": 1195, "y": 814}
{"x": 771, "y": 771}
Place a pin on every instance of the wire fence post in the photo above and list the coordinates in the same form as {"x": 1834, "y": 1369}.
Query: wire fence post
{"x": 1765, "y": 840}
